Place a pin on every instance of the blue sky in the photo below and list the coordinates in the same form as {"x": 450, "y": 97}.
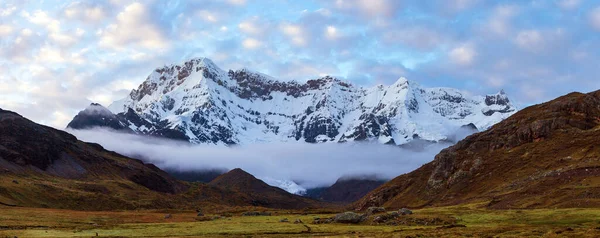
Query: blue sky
{"x": 58, "y": 56}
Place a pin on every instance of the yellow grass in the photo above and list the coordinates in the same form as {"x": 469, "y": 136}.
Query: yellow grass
{"x": 479, "y": 222}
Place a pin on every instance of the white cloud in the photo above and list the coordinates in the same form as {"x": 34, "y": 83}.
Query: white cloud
{"x": 251, "y": 43}
{"x": 496, "y": 82}
{"x": 532, "y": 92}
{"x": 5, "y": 30}
{"x": 463, "y": 55}
{"x": 499, "y": 22}
{"x": 133, "y": 26}
{"x": 300, "y": 162}
{"x": 94, "y": 13}
{"x": 208, "y": 16}
{"x": 331, "y": 32}
{"x": 251, "y": 26}
{"x": 50, "y": 55}
{"x": 85, "y": 13}
{"x": 53, "y": 26}
{"x": 530, "y": 40}
{"x": 594, "y": 18}
{"x": 370, "y": 8}
{"x": 7, "y": 11}
{"x": 237, "y": 2}
{"x": 295, "y": 33}
{"x": 419, "y": 37}
{"x": 79, "y": 32}
{"x": 88, "y": 14}
{"x": 459, "y": 5}
{"x": 41, "y": 18}
{"x": 569, "y": 4}
{"x": 26, "y": 32}
{"x": 62, "y": 39}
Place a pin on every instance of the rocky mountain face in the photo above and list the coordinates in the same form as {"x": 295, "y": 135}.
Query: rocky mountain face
{"x": 199, "y": 102}
{"x": 544, "y": 156}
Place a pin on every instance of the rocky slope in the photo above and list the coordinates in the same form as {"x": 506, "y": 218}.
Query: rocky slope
{"x": 545, "y": 155}
{"x": 199, "y": 102}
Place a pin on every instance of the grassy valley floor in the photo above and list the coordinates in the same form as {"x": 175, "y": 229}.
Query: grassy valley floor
{"x": 470, "y": 221}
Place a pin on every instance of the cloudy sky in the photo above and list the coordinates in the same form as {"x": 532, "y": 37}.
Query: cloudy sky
{"x": 58, "y": 56}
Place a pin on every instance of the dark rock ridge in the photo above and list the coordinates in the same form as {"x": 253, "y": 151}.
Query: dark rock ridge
{"x": 199, "y": 102}
{"x": 123, "y": 122}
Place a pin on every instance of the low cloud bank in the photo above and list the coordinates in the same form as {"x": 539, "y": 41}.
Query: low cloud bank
{"x": 309, "y": 165}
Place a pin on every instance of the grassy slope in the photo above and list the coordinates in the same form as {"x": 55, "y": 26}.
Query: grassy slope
{"x": 35, "y": 222}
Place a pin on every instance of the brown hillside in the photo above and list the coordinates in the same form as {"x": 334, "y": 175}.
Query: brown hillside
{"x": 547, "y": 155}
{"x": 261, "y": 193}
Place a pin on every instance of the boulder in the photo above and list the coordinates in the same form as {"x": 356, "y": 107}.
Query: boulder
{"x": 374, "y": 210}
{"x": 284, "y": 220}
{"x": 405, "y": 211}
{"x": 200, "y": 214}
{"x": 318, "y": 220}
{"x": 168, "y": 216}
{"x": 349, "y": 217}
{"x": 255, "y": 213}
{"x": 298, "y": 221}
{"x": 385, "y": 218}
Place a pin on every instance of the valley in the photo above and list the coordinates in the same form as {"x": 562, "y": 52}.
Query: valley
{"x": 472, "y": 220}
{"x": 316, "y": 118}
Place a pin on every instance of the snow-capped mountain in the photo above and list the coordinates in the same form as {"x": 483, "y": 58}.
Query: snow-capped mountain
{"x": 199, "y": 102}
{"x": 287, "y": 185}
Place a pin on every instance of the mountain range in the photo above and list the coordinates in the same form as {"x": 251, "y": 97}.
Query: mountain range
{"x": 197, "y": 101}
{"x": 544, "y": 156}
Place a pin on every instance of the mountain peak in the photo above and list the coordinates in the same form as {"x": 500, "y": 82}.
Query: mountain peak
{"x": 239, "y": 172}
{"x": 96, "y": 115}
{"x": 401, "y": 81}
{"x": 240, "y": 180}
{"x": 499, "y": 98}
{"x": 236, "y": 175}
{"x": 202, "y": 61}
{"x": 97, "y": 109}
